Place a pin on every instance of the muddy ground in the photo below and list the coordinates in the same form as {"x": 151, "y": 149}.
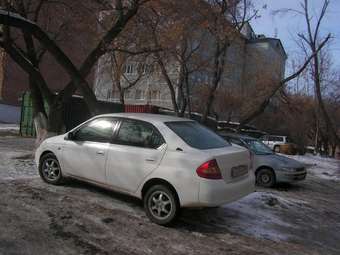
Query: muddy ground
{"x": 76, "y": 218}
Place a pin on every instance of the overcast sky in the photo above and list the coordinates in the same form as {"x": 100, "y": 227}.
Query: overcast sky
{"x": 287, "y": 26}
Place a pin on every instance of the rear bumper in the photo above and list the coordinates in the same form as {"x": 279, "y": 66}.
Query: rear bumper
{"x": 290, "y": 177}
{"x": 217, "y": 192}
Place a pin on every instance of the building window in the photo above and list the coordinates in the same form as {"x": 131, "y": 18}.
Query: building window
{"x": 139, "y": 94}
{"x": 155, "y": 94}
{"x": 127, "y": 94}
{"x": 109, "y": 94}
{"x": 115, "y": 94}
{"x": 129, "y": 69}
{"x": 145, "y": 68}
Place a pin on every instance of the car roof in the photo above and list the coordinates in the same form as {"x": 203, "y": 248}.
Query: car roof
{"x": 238, "y": 136}
{"x": 276, "y": 135}
{"x": 149, "y": 117}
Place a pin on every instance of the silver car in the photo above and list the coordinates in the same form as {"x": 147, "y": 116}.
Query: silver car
{"x": 269, "y": 167}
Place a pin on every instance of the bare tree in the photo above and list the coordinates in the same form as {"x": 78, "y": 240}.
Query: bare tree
{"x": 310, "y": 42}
{"x": 125, "y": 11}
{"x": 122, "y": 81}
{"x": 226, "y": 21}
{"x": 175, "y": 28}
{"x": 266, "y": 98}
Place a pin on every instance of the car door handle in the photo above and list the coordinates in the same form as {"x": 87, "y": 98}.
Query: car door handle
{"x": 150, "y": 160}
{"x": 100, "y": 152}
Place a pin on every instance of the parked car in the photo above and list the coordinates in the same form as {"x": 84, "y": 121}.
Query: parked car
{"x": 274, "y": 141}
{"x": 168, "y": 162}
{"x": 269, "y": 167}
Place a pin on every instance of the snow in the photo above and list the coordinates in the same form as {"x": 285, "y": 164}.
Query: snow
{"x": 258, "y": 215}
{"x": 321, "y": 167}
{"x": 17, "y": 165}
{"x": 265, "y": 214}
{"x": 9, "y": 127}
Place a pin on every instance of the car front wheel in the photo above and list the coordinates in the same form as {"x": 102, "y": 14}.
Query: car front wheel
{"x": 49, "y": 169}
{"x": 161, "y": 205}
{"x": 265, "y": 177}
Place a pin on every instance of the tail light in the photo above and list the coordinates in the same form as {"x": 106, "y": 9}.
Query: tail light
{"x": 209, "y": 170}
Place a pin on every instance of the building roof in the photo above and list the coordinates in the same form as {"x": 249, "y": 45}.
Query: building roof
{"x": 269, "y": 40}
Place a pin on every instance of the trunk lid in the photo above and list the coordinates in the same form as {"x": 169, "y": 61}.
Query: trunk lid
{"x": 233, "y": 161}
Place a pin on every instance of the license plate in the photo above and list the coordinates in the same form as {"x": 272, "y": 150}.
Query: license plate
{"x": 238, "y": 171}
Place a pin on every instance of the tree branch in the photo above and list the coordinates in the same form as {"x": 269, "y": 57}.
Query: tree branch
{"x": 15, "y": 20}
{"x": 260, "y": 109}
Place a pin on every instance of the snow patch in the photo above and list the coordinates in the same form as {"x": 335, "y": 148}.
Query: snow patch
{"x": 9, "y": 127}
{"x": 321, "y": 167}
{"x": 16, "y": 165}
{"x": 258, "y": 215}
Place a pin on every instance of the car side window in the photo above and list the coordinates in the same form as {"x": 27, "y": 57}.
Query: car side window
{"x": 139, "y": 134}
{"x": 236, "y": 141}
{"x": 98, "y": 130}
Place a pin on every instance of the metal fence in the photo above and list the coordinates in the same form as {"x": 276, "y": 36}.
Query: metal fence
{"x": 26, "y": 119}
{"x": 75, "y": 112}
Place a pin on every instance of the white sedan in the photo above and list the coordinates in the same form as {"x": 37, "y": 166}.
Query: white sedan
{"x": 168, "y": 162}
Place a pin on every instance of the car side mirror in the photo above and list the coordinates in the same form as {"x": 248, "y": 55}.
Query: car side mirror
{"x": 70, "y": 136}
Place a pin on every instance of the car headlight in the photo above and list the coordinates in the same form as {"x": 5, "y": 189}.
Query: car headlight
{"x": 288, "y": 169}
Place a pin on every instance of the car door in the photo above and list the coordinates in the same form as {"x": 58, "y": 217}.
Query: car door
{"x": 136, "y": 151}
{"x": 85, "y": 154}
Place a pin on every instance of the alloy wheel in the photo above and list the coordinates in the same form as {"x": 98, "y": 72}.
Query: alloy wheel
{"x": 51, "y": 169}
{"x": 160, "y": 205}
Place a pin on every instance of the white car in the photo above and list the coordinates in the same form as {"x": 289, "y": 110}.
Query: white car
{"x": 168, "y": 162}
{"x": 274, "y": 141}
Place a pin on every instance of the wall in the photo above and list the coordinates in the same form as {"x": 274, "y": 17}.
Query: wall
{"x": 9, "y": 114}
{"x": 150, "y": 82}
{"x": 76, "y": 39}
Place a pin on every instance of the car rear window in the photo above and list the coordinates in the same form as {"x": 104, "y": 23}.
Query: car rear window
{"x": 196, "y": 135}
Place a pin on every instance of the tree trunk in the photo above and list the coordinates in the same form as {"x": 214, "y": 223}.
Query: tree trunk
{"x": 316, "y": 139}
{"x": 55, "y": 118}
{"x": 39, "y": 113}
{"x": 317, "y": 81}
{"x": 170, "y": 85}
{"x": 122, "y": 96}
{"x": 188, "y": 99}
{"x": 219, "y": 63}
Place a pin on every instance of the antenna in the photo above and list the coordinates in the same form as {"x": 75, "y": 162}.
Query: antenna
{"x": 276, "y": 31}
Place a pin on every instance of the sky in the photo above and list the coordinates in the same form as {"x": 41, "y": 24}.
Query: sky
{"x": 287, "y": 26}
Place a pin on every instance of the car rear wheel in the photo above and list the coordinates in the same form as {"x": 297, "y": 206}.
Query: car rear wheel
{"x": 265, "y": 177}
{"x": 49, "y": 169}
{"x": 161, "y": 205}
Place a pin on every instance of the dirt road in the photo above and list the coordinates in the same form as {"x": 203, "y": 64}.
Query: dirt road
{"x": 76, "y": 218}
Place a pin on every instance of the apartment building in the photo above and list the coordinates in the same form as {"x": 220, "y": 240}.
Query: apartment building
{"x": 248, "y": 58}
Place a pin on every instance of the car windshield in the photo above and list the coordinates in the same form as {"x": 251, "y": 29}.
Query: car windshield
{"x": 197, "y": 136}
{"x": 258, "y": 147}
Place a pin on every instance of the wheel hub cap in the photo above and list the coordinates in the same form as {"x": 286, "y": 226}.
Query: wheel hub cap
{"x": 51, "y": 169}
{"x": 160, "y": 205}
{"x": 265, "y": 178}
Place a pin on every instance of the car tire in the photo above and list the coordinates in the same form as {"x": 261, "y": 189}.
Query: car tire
{"x": 50, "y": 170}
{"x": 277, "y": 149}
{"x": 161, "y": 205}
{"x": 265, "y": 177}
